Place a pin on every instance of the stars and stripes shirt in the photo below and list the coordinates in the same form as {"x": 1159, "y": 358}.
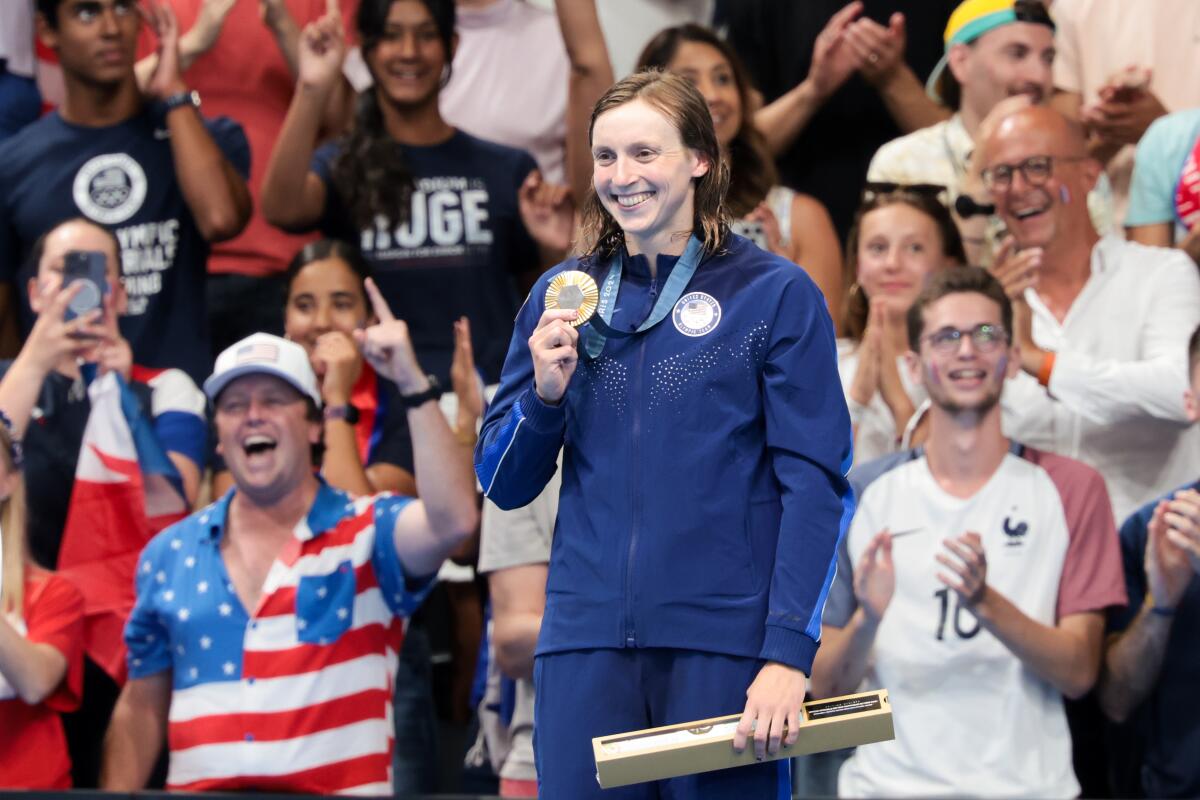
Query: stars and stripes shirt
{"x": 295, "y": 696}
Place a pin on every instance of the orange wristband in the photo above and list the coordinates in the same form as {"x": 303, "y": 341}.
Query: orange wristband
{"x": 1043, "y": 376}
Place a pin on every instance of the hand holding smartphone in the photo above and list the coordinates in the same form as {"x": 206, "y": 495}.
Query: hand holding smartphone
{"x": 90, "y": 268}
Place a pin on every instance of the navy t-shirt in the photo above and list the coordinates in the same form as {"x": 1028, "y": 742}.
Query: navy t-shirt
{"x": 457, "y": 253}
{"x": 1169, "y": 718}
{"x": 122, "y": 177}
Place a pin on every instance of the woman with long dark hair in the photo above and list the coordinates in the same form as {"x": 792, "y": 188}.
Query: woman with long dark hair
{"x": 704, "y": 440}
{"x": 435, "y": 211}
{"x": 776, "y": 218}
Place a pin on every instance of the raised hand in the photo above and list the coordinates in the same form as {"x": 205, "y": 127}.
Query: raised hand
{"x": 54, "y": 338}
{"x": 553, "y": 349}
{"x": 880, "y": 49}
{"x": 321, "y": 51}
{"x": 968, "y": 568}
{"x": 1183, "y": 524}
{"x": 464, "y": 379}
{"x": 865, "y": 382}
{"x": 166, "y": 79}
{"x": 113, "y": 353}
{"x": 547, "y": 211}
{"x": 1018, "y": 271}
{"x": 207, "y": 28}
{"x": 1166, "y": 564}
{"x": 875, "y": 576}
{"x": 763, "y": 215}
{"x": 834, "y": 59}
{"x": 338, "y": 363}
{"x": 387, "y": 347}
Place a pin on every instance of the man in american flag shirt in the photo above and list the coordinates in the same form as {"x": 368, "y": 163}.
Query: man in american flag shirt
{"x": 263, "y": 643}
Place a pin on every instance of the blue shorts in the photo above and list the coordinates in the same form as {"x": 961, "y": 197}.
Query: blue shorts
{"x": 586, "y": 693}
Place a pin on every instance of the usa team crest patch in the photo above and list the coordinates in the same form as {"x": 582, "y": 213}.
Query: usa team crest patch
{"x": 696, "y": 314}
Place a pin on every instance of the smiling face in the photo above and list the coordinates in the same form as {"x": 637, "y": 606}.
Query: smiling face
{"x": 265, "y": 435}
{"x": 899, "y": 248}
{"x": 969, "y": 377}
{"x": 1040, "y": 209}
{"x": 325, "y": 295}
{"x": 710, "y": 72}
{"x": 644, "y": 175}
{"x": 1014, "y": 59}
{"x": 409, "y": 58}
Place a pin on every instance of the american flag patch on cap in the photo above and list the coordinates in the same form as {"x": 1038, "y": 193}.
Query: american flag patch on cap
{"x": 257, "y": 351}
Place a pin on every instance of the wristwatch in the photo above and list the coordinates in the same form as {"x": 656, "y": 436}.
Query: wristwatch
{"x": 178, "y": 99}
{"x": 348, "y": 412}
{"x": 432, "y": 393}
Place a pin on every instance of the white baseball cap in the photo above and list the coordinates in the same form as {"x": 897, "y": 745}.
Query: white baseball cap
{"x": 264, "y": 354}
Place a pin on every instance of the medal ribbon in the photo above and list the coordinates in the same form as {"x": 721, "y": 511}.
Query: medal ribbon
{"x": 598, "y": 328}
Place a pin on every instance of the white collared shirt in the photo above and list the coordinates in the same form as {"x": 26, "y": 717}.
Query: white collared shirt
{"x": 1115, "y": 398}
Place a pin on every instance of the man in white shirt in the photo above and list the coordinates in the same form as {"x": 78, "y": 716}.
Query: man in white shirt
{"x": 991, "y": 53}
{"x": 973, "y": 578}
{"x": 1102, "y": 323}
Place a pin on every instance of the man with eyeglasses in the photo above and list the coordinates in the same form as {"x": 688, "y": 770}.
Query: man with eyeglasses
{"x": 995, "y": 49}
{"x": 1101, "y": 322}
{"x": 973, "y": 579}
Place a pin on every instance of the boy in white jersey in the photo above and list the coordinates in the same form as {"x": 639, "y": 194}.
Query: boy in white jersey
{"x": 973, "y": 578}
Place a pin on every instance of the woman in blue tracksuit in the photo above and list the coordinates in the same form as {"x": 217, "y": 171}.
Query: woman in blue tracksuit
{"x": 705, "y": 441}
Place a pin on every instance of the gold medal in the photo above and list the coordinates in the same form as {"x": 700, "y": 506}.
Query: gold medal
{"x": 574, "y": 290}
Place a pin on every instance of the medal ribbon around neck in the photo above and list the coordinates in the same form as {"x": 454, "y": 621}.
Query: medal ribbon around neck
{"x": 599, "y": 327}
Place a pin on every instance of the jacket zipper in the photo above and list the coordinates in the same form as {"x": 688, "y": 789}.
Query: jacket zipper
{"x": 635, "y": 476}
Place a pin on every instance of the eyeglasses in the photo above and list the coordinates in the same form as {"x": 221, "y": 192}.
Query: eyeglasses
{"x": 928, "y": 191}
{"x": 985, "y": 338}
{"x": 1036, "y": 170}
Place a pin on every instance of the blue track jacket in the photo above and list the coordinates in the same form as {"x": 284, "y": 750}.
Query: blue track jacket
{"x": 704, "y": 489}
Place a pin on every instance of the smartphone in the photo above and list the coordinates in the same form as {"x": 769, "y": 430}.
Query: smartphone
{"x": 89, "y": 267}
{"x": 752, "y": 230}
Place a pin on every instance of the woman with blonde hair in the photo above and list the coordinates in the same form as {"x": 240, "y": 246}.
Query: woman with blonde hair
{"x": 41, "y": 647}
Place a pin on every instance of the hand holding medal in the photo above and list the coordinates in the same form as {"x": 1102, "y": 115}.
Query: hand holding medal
{"x": 570, "y": 301}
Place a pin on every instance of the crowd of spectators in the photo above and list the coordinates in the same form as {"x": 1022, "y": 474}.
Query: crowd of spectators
{"x": 238, "y": 537}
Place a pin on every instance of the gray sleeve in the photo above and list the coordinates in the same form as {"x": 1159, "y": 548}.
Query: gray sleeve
{"x": 521, "y": 536}
{"x": 841, "y": 603}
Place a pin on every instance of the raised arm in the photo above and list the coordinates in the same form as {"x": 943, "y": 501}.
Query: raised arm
{"x": 526, "y": 421}
{"x": 834, "y": 60}
{"x": 293, "y": 197}
{"x": 1133, "y": 658}
{"x": 591, "y": 75}
{"x": 881, "y": 56}
{"x": 215, "y": 193}
{"x": 1066, "y": 655}
{"x": 196, "y": 42}
{"x": 447, "y": 513}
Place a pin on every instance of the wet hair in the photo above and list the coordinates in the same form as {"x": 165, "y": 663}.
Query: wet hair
{"x": 751, "y": 167}
{"x": 370, "y": 172}
{"x": 324, "y": 249}
{"x": 962, "y": 280}
{"x": 677, "y": 99}
{"x": 857, "y": 307}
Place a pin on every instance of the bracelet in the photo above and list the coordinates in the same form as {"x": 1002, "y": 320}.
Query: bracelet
{"x": 1162, "y": 611}
{"x": 467, "y": 436}
{"x": 1043, "y": 375}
